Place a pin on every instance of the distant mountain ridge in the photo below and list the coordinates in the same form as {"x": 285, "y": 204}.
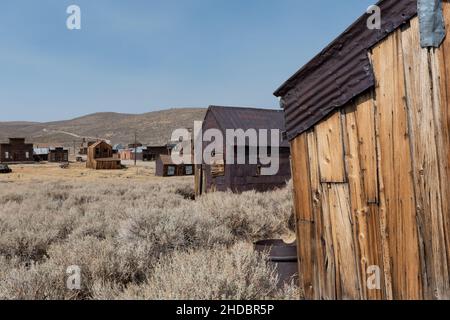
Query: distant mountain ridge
{"x": 152, "y": 128}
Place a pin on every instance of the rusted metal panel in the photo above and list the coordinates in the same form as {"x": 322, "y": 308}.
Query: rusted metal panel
{"x": 340, "y": 72}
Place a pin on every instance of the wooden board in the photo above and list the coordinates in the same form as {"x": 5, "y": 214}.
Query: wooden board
{"x": 331, "y": 150}
{"x": 303, "y": 212}
{"x": 365, "y": 123}
{"x": 425, "y": 160}
{"x": 325, "y": 276}
{"x": 395, "y": 168}
{"x": 336, "y": 205}
{"x": 440, "y": 64}
{"x": 359, "y": 206}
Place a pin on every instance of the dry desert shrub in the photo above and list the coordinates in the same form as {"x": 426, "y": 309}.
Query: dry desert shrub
{"x": 236, "y": 273}
{"x": 122, "y": 234}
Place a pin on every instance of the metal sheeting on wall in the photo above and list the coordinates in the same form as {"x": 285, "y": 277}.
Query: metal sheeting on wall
{"x": 340, "y": 72}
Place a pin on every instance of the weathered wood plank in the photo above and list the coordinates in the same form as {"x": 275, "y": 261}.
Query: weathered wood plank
{"x": 325, "y": 280}
{"x": 337, "y": 206}
{"x": 366, "y": 242}
{"x": 301, "y": 178}
{"x": 396, "y": 167}
{"x": 365, "y": 121}
{"x": 331, "y": 150}
{"x": 440, "y": 62}
{"x": 423, "y": 139}
{"x": 304, "y": 215}
{"x": 380, "y": 211}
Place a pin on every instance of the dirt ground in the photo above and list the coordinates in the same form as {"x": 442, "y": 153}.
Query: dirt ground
{"x": 144, "y": 171}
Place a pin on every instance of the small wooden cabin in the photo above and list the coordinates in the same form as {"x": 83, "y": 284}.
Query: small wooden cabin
{"x": 368, "y": 122}
{"x": 166, "y": 168}
{"x": 100, "y": 157}
{"x": 16, "y": 151}
{"x": 221, "y": 176}
{"x": 58, "y": 154}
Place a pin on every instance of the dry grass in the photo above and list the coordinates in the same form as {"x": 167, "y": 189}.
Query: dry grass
{"x": 137, "y": 239}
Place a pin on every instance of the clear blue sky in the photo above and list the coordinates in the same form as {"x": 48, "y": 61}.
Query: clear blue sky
{"x": 137, "y": 56}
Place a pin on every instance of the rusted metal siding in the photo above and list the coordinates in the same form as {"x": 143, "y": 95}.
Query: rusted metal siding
{"x": 340, "y": 72}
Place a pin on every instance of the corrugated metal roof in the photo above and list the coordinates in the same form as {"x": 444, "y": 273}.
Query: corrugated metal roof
{"x": 249, "y": 118}
{"x": 340, "y": 72}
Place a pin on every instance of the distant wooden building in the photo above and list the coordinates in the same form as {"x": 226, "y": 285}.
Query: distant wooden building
{"x": 84, "y": 147}
{"x": 151, "y": 153}
{"x": 166, "y": 168}
{"x": 58, "y": 154}
{"x": 40, "y": 154}
{"x": 125, "y": 154}
{"x": 16, "y": 151}
{"x": 100, "y": 157}
{"x": 221, "y": 176}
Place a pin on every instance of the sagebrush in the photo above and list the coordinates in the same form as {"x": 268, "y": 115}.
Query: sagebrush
{"x": 138, "y": 240}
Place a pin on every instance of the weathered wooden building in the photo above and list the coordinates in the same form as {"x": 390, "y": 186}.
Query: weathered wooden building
{"x": 165, "y": 167}
{"x": 58, "y": 154}
{"x": 222, "y": 176}
{"x": 100, "y": 157}
{"x": 16, "y": 151}
{"x": 368, "y": 121}
{"x": 151, "y": 153}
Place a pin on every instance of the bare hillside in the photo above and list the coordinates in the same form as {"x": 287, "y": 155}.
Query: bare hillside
{"x": 151, "y": 128}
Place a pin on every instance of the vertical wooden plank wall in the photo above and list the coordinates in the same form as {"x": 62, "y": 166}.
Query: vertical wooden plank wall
{"x": 371, "y": 182}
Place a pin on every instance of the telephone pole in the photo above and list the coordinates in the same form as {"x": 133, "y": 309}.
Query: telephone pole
{"x": 135, "y": 148}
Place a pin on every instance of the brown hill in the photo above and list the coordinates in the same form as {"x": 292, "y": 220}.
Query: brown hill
{"x": 152, "y": 128}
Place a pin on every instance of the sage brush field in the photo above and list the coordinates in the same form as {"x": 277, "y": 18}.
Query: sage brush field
{"x": 138, "y": 240}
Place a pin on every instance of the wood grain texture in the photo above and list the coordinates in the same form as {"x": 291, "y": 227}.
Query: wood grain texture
{"x": 366, "y": 239}
{"x": 304, "y": 216}
{"x": 336, "y": 205}
{"x": 440, "y": 65}
{"x": 365, "y": 123}
{"x": 331, "y": 150}
{"x": 395, "y": 167}
{"x": 423, "y": 134}
{"x": 325, "y": 279}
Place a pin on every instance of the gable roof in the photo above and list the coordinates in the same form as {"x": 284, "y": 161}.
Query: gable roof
{"x": 249, "y": 118}
{"x": 95, "y": 145}
{"x": 341, "y": 71}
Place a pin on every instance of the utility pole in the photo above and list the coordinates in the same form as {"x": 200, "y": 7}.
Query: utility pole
{"x": 135, "y": 148}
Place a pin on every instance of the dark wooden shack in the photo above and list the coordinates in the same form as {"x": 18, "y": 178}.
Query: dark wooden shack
{"x": 221, "y": 176}
{"x": 58, "y": 154}
{"x": 16, "y": 151}
{"x": 166, "y": 168}
{"x": 100, "y": 157}
{"x": 369, "y": 126}
{"x": 151, "y": 153}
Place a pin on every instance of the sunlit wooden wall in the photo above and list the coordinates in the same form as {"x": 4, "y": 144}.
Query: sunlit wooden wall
{"x": 371, "y": 182}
